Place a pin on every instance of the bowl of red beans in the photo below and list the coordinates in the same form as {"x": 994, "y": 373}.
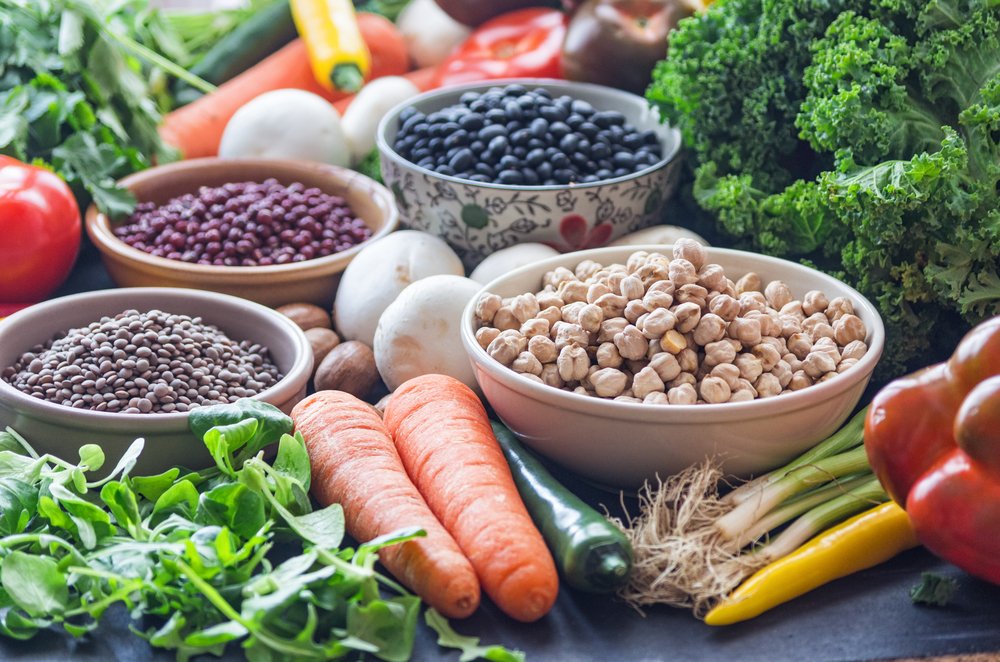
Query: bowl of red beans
{"x": 270, "y": 231}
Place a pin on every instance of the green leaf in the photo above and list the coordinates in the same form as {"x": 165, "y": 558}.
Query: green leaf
{"x": 120, "y": 499}
{"x": 273, "y": 423}
{"x": 217, "y": 634}
{"x": 20, "y": 467}
{"x": 70, "y": 32}
{"x": 387, "y": 624}
{"x": 152, "y": 487}
{"x": 293, "y": 459}
{"x": 181, "y": 499}
{"x": 18, "y": 504}
{"x": 471, "y": 650}
{"x": 934, "y": 590}
{"x": 12, "y": 621}
{"x": 9, "y": 442}
{"x": 13, "y": 124}
{"x": 323, "y": 528}
{"x": 243, "y": 508}
{"x": 91, "y": 455}
{"x": 34, "y": 583}
{"x": 366, "y": 551}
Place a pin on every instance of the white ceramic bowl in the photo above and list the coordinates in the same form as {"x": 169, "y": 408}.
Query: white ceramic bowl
{"x": 477, "y": 219}
{"x": 60, "y": 430}
{"x": 623, "y": 444}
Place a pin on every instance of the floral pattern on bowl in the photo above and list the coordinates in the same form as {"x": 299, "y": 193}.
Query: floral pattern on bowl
{"x": 477, "y": 219}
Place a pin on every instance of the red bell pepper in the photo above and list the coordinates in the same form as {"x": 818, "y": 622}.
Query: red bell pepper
{"x": 933, "y": 440}
{"x": 39, "y": 231}
{"x": 521, "y": 44}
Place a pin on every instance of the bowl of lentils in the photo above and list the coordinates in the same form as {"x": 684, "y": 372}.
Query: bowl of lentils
{"x": 270, "y": 231}
{"x": 490, "y": 165}
{"x": 110, "y": 366}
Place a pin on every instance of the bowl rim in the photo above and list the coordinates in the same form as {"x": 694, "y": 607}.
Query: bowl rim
{"x": 56, "y": 414}
{"x": 385, "y": 148}
{"x": 722, "y": 412}
{"x": 99, "y": 225}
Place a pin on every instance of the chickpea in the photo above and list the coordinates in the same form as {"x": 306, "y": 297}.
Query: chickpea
{"x": 504, "y": 319}
{"x": 817, "y": 364}
{"x": 814, "y": 302}
{"x": 688, "y": 316}
{"x": 550, "y": 375}
{"x": 487, "y": 306}
{"x": 778, "y": 344}
{"x": 682, "y": 395}
{"x": 610, "y": 328}
{"x": 737, "y": 345}
{"x": 557, "y": 277}
{"x": 664, "y": 286}
{"x": 636, "y": 365}
{"x": 652, "y": 273}
{"x": 692, "y": 293}
{"x": 790, "y": 325}
{"x": 712, "y": 277}
{"x": 632, "y": 288}
{"x": 572, "y": 291}
{"x": 666, "y": 366}
{"x": 543, "y": 348}
{"x": 657, "y": 323}
{"x": 794, "y": 309}
{"x": 725, "y": 307}
{"x": 856, "y": 349}
{"x": 552, "y": 314}
{"x": 794, "y": 363}
{"x": 681, "y": 379}
{"x": 749, "y": 283}
{"x": 827, "y": 377}
{"x": 596, "y": 291}
{"x": 486, "y": 335}
{"x": 645, "y": 382}
{"x": 714, "y": 390}
{"x": 767, "y": 385}
{"x": 549, "y": 300}
{"x": 747, "y": 331}
{"x": 849, "y": 328}
{"x": 608, "y": 382}
{"x": 783, "y": 372}
{"x": 829, "y": 346}
{"x": 608, "y": 356}
{"x": 800, "y": 344}
{"x": 571, "y": 312}
{"x": 631, "y": 343}
{"x": 615, "y": 281}
{"x": 769, "y": 325}
{"x": 583, "y": 391}
{"x": 731, "y": 289}
{"x": 846, "y": 364}
{"x": 673, "y": 342}
{"x": 741, "y": 396}
{"x": 554, "y": 329}
{"x": 526, "y": 362}
{"x": 654, "y": 349}
{"x": 838, "y": 308}
{"x": 634, "y": 310}
{"x": 613, "y": 305}
{"x": 535, "y": 327}
{"x": 800, "y": 380}
{"x": 657, "y": 299}
{"x": 817, "y": 326}
{"x": 682, "y": 272}
{"x": 718, "y": 353}
{"x": 628, "y": 398}
{"x": 752, "y": 301}
{"x": 768, "y": 356}
{"x": 711, "y": 328}
{"x": 504, "y": 350}
{"x": 590, "y": 318}
{"x": 573, "y": 363}
{"x": 656, "y": 398}
{"x": 728, "y": 373}
{"x": 688, "y": 360}
{"x": 777, "y": 294}
{"x": 534, "y": 378}
{"x": 750, "y": 366}
{"x": 586, "y": 269}
{"x": 571, "y": 334}
{"x": 691, "y": 251}
{"x": 744, "y": 385}
{"x": 635, "y": 261}
{"x": 525, "y": 307}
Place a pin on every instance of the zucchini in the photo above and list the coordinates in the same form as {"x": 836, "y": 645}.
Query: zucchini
{"x": 592, "y": 553}
{"x": 247, "y": 44}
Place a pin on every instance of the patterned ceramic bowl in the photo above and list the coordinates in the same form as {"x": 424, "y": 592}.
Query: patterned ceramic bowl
{"x": 477, "y": 219}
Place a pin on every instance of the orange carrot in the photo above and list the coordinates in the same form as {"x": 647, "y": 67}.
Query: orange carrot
{"x": 420, "y": 77}
{"x": 355, "y": 464}
{"x": 444, "y": 438}
{"x": 196, "y": 129}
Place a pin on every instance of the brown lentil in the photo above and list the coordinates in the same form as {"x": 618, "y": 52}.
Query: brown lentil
{"x": 136, "y": 363}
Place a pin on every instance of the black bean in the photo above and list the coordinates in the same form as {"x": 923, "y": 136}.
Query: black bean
{"x": 488, "y": 133}
{"x": 575, "y": 120}
{"x": 559, "y": 160}
{"x": 477, "y": 146}
{"x": 515, "y": 90}
{"x": 633, "y": 141}
{"x": 510, "y": 163}
{"x": 582, "y": 107}
{"x": 604, "y": 173}
{"x": 624, "y": 160}
{"x": 435, "y": 145}
{"x": 553, "y": 113}
{"x": 479, "y": 178}
{"x": 499, "y": 145}
{"x": 588, "y": 129}
{"x": 539, "y": 127}
{"x": 478, "y": 106}
{"x": 526, "y": 101}
{"x": 414, "y": 119}
{"x": 535, "y": 157}
{"x": 419, "y": 154}
{"x": 519, "y": 152}
{"x": 404, "y": 114}
{"x": 521, "y": 137}
{"x": 496, "y": 116}
{"x": 564, "y": 175}
{"x": 472, "y": 122}
{"x": 599, "y": 151}
{"x": 569, "y": 143}
{"x": 457, "y": 139}
{"x": 468, "y": 97}
{"x": 462, "y": 160}
{"x": 606, "y": 118}
{"x": 588, "y": 179}
{"x": 530, "y": 177}
{"x": 486, "y": 169}
{"x": 437, "y": 118}
{"x": 514, "y": 110}
{"x": 513, "y": 126}
{"x": 559, "y": 129}
{"x": 510, "y": 177}
{"x": 489, "y": 157}
{"x": 537, "y": 143}
{"x": 542, "y": 92}
{"x": 621, "y": 172}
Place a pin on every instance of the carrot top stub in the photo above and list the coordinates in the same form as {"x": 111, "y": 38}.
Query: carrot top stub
{"x": 444, "y": 438}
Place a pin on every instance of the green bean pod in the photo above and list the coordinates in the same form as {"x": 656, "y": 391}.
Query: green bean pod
{"x": 590, "y": 552}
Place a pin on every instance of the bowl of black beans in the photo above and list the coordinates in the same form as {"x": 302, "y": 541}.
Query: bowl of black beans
{"x": 490, "y": 165}
{"x": 109, "y": 366}
{"x": 271, "y": 231}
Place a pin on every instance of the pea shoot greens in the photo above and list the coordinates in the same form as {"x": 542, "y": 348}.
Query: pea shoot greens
{"x": 190, "y": 549}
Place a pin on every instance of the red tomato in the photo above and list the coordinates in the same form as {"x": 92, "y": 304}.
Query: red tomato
{"x": 39, "y": 231}
{"x": 520, "y": 44}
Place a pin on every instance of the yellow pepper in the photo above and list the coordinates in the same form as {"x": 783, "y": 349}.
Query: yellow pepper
{"x": 337, "y": 52}
{"x": 861, "y": 542}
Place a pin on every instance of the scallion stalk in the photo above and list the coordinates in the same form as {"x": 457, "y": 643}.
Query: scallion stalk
{"x": 823, "y": 517}
{"x": 844, "y": 439}
{"x": 798, "y": 480}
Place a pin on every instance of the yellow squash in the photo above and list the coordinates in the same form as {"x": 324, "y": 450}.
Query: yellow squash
{"x": 861, "y": 542}
{"x": 337, "y": 52}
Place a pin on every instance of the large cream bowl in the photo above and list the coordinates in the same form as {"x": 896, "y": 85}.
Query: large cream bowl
{"x": 624, "y": 444}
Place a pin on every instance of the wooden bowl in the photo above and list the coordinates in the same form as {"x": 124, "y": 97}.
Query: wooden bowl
{"x": 313, "y": 281}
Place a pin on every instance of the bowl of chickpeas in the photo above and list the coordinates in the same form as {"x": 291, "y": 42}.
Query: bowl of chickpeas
{"x": 624, "y": 363}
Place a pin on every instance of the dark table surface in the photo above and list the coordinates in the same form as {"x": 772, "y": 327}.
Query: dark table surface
{"x": 866, "y": 616}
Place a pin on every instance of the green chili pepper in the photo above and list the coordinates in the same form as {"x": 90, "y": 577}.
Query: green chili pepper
{"x": 592, "y": 554}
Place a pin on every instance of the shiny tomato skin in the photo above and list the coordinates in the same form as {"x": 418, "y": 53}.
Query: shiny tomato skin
{"x": 39, "y": 232}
